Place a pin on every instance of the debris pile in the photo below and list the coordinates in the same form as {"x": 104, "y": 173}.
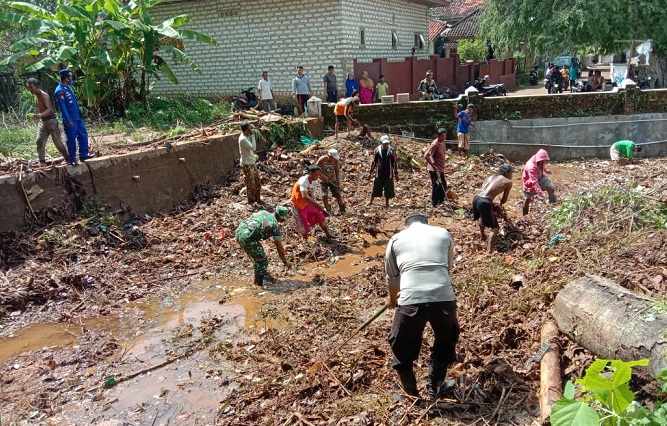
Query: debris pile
{"x": 299, "y": 373}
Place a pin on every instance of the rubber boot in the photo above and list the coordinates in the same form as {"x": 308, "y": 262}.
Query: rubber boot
{"x": 436, "y": 378}
{"x": 259, "y": 279}
{"x": 408, "y": 382}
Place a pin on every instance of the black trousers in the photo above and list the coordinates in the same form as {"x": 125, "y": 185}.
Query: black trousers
{"x": 408, "y": 329}
{"x": 438, "y": 191}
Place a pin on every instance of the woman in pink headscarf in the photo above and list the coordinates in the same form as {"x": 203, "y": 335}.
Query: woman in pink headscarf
{"x": 534, "y": 179}
{"x": 366, "y": 86}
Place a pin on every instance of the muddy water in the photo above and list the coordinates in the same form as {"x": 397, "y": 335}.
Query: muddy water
{"x": 36, "y": 337}
{"x": 189, "y": 390}
{"x": 197, "y": 301}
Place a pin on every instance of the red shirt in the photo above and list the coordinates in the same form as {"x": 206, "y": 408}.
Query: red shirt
{"x": 436, "y": 154}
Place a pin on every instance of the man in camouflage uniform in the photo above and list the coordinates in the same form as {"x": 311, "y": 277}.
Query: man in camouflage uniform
{"x": 258, "y": 227}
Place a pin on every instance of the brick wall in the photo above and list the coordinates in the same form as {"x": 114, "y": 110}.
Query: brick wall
{"x": 379, "y": 18}
{"x": 277, "y": 35}
{"x": 254, "y": 35}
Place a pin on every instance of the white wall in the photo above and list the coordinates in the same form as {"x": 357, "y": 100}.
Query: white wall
{"x": 379, "y": 18}
{"x": 278, "y": 35}
{"x": 254, "y": 35}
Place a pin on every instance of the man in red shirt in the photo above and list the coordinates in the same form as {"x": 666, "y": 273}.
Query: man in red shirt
{"x": 435, "y": 159}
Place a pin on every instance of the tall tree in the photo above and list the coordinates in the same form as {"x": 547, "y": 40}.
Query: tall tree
{"x": 579, "y": 26}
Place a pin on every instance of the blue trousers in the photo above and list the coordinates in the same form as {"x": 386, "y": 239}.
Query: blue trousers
{"x": 77, "y": 133}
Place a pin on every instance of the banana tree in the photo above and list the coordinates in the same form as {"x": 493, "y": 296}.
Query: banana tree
{"x": 108, "y": 44}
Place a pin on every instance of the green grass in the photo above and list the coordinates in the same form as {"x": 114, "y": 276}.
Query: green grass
{"x": 166, "y": 113}
{"x": 169, "y": 116}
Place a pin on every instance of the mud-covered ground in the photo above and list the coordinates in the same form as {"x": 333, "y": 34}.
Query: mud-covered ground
{"x": 89, "y": 303}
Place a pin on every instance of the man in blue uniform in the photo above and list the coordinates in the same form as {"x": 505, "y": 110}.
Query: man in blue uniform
{"x": 75, "y": 128}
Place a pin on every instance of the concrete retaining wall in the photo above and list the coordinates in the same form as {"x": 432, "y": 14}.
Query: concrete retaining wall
{"x": 138, "y": 182}
{"x": 572, "y": 137}
{"x": 423, "y": 118}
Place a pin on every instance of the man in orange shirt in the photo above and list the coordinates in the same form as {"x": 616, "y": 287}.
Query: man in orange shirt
{"x": 310, "y": 212}
{"x": 343, "y": 112}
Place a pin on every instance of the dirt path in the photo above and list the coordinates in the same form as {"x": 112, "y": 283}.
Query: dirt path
{"x": 83, "y": 307}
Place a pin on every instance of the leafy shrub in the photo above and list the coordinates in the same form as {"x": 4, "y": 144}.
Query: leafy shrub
{"x": 605, "y": 398}
{"x": 473, "y": 50}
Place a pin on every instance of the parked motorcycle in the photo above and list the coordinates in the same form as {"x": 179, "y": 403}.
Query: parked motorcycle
{"x": 488, "y": 90}
{"x": 533, "y": 77}
{"x": 582, "y": 86}
{"x": 644, "y": 83}
{"x": 246, "y": 100}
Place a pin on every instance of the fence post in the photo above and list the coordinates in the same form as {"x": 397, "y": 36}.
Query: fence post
{"x": 630, "y": 94}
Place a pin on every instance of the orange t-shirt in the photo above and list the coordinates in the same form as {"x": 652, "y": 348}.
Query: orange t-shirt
{"x": 297, "y": 198}
{"x": 342, "y": 106}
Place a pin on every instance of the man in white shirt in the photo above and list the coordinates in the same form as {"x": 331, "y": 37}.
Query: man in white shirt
{"x": 417, "y": 263}
{"x": 265, "y": 93}
{"x": 247, "y": 148}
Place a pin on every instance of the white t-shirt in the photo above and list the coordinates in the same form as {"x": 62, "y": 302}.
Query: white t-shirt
{"x": 314, "y": 189}
{"x": 247, "y": 147}
{"x": 264, "y": 87}
{"x": 304, "y": 184}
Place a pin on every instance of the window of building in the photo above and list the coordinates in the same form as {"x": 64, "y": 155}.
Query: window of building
{"x": 419, "y": 41}
{"x": 394, "y": 40}
{"x": 362, "y": 37}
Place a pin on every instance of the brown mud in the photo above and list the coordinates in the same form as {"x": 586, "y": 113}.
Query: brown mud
{"x": 80, "y": 307}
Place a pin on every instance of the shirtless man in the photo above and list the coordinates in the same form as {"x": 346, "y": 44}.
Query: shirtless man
{"x": 330, "y": 165}
{"x": 483, "y": 207}
{"x": 47, "y": 115}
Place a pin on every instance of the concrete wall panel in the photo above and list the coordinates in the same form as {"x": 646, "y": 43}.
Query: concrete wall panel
{"x": 141, "y": 182}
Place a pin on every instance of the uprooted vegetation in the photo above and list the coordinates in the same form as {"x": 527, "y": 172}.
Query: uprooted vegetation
{"x": 297, "y": 372}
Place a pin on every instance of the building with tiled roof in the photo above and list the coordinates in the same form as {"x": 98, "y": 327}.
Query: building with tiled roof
{"x": 462, "y": 21}
{"x": 455, "y": 10}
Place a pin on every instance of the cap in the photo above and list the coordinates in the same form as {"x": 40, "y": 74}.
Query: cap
{"x": 313, "y": 168}
{"x": 334, "y": 153}
{"x": 281, "y": 212}
{"x": 416, "y": 217}
{"x": 442, "y": 130}
{"x": 65, "y": 72}
{"x": 385, "y": 139}
{"x": 505, "y": 169}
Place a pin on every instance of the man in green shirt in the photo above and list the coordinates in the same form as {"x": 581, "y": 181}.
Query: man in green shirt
{"x": 381, "y": 88}
{"x": 258, "y": 227}
{"x": 623, "y": 150}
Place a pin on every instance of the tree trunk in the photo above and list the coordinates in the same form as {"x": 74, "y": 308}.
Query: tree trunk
{"x": 551, "y": 383}
{"x": 613, "y": 322}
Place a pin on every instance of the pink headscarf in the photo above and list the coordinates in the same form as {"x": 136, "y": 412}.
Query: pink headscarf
{"x": 532, "y": 172}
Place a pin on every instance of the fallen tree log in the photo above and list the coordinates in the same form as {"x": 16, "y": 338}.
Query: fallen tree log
{"x": 613, "y": 322}
{"x": 551, "y": 382}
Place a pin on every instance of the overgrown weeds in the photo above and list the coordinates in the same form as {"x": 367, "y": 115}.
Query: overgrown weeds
{"x": 611, "y": 208}
{"x": 171, "y": 113}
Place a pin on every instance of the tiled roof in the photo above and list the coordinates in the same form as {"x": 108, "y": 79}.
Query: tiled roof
{"x": 468, "y": 27}
{"x": 435, "y": 28}
{"x": 455, "y": 9}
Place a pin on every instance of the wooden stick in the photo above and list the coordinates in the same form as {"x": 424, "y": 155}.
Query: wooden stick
{"x": 25, "y": 194}
{"x": 303, "y": 419}
{"x": 170, "y": 278}
{"x": 416, "y": 400}
{"x": 336, "y": 379}
{"x": 551, "y": 383}
{"x": 146, "y": 370}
